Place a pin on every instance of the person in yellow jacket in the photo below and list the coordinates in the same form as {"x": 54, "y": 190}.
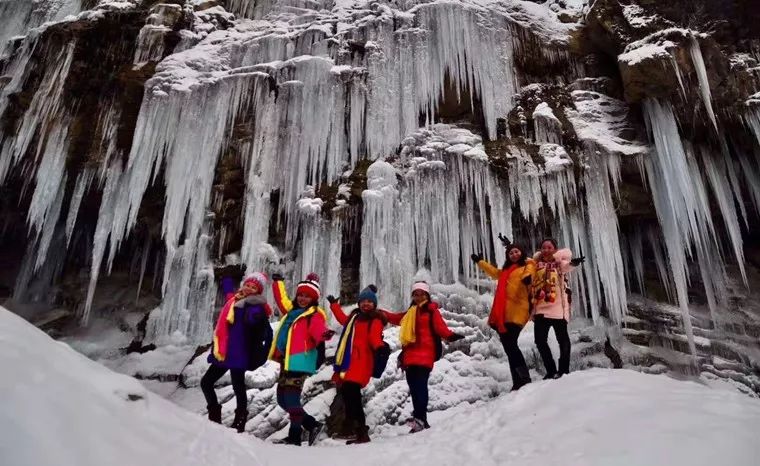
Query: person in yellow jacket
{"x": 511, "y": 305}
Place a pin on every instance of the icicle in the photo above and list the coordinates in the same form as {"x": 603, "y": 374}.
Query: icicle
{"x": 704, "y": 83}
{"x": 603, "y": 228}
{"x": 680, "y": 200}
{"x": 637, "y": 256}
{"x": 721, "y": 188}
{"x": 655, "y": 242}
{"x": 143, "y": 264}
{"x": 102, "y": 232}
{"x": 84, "y": 179}
{"x": 45, "y": 118}
{"x": 677, "y": 70}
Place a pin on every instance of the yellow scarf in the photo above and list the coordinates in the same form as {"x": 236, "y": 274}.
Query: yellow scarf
{"x": 408, "y": 333}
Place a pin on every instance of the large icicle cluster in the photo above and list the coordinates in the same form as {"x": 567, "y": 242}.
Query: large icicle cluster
{"x": 314, "y": 111}
{"x": 681, "y": 197}
{"x": 435, "y": 215}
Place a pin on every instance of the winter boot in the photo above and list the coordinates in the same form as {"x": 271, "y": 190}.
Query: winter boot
{"x": 314, "y": 430}
{"x": 241, "y": 416}
{"x": 417, "y": 425}
{"x": 215, "y": 413}
{"x": 293, "y": 438}
{"x": 312, "y": 427}
{"x": 347, "y": 431}
{"x": 550, "y": 375}
{"x": 523, "y": 378}
{"x": 362, "y": 436}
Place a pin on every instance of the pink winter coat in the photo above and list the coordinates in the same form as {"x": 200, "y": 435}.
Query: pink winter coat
{"x": 550, "y": 285}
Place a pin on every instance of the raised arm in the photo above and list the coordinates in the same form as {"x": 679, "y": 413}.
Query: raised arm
{"x": 281, "y": 296}
{"x": 228, "y": 287}
{"x": 394, "y": 318}
{"x": 490, "y": 270}
{"x": 337, "y": 311}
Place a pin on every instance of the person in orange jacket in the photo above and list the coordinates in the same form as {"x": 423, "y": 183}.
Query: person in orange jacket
{"x": 360, "y": 341}
{"x": 422, "y": 329}
{"x": 511, "y": 305}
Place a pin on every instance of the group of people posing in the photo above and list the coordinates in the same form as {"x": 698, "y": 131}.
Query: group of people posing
{"x": 527, "y": 288}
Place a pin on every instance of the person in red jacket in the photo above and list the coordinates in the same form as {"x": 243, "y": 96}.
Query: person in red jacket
{"x": 422, "y": 328}
{"x": 361, "y": 339}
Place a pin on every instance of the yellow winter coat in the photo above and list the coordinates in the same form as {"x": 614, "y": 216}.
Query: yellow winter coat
{"x": 511, "y": 302}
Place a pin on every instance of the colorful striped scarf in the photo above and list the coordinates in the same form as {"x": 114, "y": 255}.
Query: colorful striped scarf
{"x": 222, "y": 331}
{"x": 345, "y": 347}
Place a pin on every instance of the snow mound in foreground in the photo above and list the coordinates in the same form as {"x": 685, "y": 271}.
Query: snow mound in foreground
{"x": 59, "y": 408}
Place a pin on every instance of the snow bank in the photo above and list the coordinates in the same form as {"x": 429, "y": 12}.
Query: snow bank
{"x": 60, "y": 408}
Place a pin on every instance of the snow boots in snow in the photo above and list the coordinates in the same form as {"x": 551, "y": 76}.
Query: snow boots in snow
{"x": 241, "y": 416}
{"x": 417, "y": 425}
{"x": 362, "y": 436}
{"x": 313, "y": 428}
{"x": 215, "y": 413}
{"x": 293, "y": 438}
{"x": 523, "y": 378}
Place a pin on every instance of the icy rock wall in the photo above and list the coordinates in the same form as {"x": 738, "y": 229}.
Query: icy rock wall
{"x": 19, "y": 16}
{"x": 312, "y": 117}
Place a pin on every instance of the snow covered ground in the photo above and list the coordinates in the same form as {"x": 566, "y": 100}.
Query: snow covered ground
{"x": 60, "y": 408}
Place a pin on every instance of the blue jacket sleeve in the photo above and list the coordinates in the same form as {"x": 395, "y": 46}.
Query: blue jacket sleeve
{"x": 228, "y": 286}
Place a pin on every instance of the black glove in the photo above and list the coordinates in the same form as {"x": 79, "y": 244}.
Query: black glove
{"x": 332, "y": 299}
{"x": 277, "y": 277}
{"x": 504, "y": 240}
{"x": 578, "y": 261}
{"x": 476, "y": 258}
{"x": 526, "y": 280}
{"x": 372, "y": 287}
{"x": 455, "y": 337}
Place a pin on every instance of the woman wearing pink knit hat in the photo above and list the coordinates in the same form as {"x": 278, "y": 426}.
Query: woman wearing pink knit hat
{"x": 422, "y": 329}
{"x": 241, "y": 338}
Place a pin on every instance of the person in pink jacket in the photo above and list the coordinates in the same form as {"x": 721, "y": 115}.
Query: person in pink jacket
{"x": 551, "y": 304}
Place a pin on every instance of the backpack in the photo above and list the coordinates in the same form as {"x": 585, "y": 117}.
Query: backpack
{"x": 321, "y": 356}
{"x": 261, "y": 341}
{"x": 437, "y": 342}
{"x": 381, "y": 360}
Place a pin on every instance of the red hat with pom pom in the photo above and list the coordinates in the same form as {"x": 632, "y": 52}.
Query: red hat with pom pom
{"x": 310, "y": 287}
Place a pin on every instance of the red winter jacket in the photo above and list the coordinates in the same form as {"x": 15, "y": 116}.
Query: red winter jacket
{"x": 422, "y": 351}
{"x": 368, "y": 337}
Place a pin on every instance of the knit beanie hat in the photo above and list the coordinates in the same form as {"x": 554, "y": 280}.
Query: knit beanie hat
{"x": 257, "y": 279}
{"x": 310, "y": 287}
{"x": 367, "y": 294}
{"x": 422, "y": 286}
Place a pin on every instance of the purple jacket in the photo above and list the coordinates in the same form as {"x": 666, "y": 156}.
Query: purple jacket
{"x": 248, "y": 313}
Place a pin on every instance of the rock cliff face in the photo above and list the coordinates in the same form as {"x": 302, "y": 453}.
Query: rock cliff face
{"x": 144, "y": 144}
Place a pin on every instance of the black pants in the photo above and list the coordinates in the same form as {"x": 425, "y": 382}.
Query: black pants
{"x": 352, "y": 400}
{"x": 514, "y": 355}
{"x": 215, "y": 373}
{"x": 417, "y": 379}
{"x": 541, "y": 331}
